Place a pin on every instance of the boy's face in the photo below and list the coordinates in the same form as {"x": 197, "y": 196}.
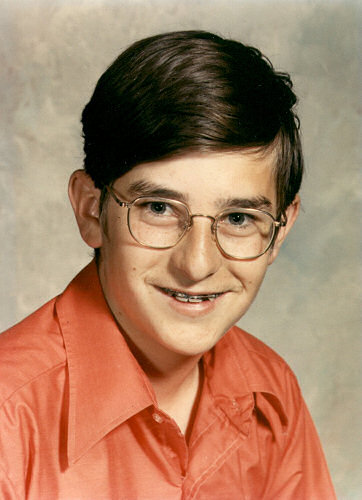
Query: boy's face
{"x": 135, "y": 278}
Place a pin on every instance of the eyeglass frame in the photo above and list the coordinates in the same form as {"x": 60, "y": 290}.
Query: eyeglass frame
{"x": 277, "y": 224}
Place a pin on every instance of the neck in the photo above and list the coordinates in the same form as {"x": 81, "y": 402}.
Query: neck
{"x": 171, "y": 385}
{"x": 178, "y": 393}
{"x": 176, "y": 380}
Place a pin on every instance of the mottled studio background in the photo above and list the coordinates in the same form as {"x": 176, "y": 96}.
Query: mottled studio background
{"x": 52, "y": 53}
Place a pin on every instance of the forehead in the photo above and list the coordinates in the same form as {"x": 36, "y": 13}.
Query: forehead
{"x": 204, "y": 179}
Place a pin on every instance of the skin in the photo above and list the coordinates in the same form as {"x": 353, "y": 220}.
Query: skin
{"x": 166, "y": 336}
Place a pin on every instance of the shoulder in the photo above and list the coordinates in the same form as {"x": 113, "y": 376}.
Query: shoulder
{"x": 29, "y": 350}
{"x": 281, "y": 420}
{"x": 257, "y": 350}
{"x": 265, "y": 370}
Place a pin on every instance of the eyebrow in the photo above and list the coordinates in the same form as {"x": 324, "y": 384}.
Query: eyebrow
{"x": 146, "y": 188}
{"x": 257, "y": 202}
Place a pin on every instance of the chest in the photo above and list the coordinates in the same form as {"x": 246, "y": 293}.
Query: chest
{"x": 147, "y": 458}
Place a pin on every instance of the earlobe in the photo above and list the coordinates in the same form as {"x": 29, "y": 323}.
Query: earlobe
{"x": 84, "y": 198}
{"x": 291, "y": 213}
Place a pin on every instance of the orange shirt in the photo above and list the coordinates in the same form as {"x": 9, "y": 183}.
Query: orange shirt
{"x": 79, "y": 419}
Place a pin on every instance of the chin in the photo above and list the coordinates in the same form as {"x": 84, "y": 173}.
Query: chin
{"x": 193, "y": 346}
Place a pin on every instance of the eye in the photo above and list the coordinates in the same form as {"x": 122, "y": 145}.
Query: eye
{"x": 237, "y": 218}
{"x": 158, "y": 207}
{"x": 156, "y": 211}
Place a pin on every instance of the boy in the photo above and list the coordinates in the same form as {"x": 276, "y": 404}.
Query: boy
{"x": 134, "y": 383}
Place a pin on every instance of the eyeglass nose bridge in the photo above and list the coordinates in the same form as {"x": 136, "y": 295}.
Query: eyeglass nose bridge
{"x": 213, "y": 220}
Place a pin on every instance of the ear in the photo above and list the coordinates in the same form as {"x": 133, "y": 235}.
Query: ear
{"x": 84, "y": 197}
{"x": 291, "y": 213}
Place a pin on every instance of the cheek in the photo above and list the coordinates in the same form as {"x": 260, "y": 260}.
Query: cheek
{"x": 251, "y": 273}
{"x": 126, "y": 266}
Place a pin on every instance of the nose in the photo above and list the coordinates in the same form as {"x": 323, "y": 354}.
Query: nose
{"x": 196, "y": 256}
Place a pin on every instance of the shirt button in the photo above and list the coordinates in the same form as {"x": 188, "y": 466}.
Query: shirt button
{"x": 157, "y": 418}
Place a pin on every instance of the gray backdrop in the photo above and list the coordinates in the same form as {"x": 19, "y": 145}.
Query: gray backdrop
{"x": 52, "y": 53}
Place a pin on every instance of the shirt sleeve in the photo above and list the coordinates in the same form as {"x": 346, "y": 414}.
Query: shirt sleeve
{"x": 303, "y": 473}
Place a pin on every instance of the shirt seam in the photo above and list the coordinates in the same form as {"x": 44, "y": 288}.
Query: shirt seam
{"x": 200, "y": 434}
{"x": 212, "y": 467}
{"x": 10, "y": 481}
{"x": 28, "y": 382}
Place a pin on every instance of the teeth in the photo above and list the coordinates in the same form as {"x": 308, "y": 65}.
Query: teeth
{"x": 181, "y": 299}
{"x": 184, "y": 297}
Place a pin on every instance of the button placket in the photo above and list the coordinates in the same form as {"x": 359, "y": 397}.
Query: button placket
{"x": 172, "y": 441}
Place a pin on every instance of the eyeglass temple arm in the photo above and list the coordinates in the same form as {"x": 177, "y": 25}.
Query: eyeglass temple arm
{"x": 282, "y": 222}
{"x": 117, "y": 200}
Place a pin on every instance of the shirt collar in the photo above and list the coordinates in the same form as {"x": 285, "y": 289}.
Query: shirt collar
{"x": 106, "y": 384}
{"x": 241, "y": 373}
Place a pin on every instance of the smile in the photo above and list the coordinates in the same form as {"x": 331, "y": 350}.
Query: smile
{"x": 184, "y": 297}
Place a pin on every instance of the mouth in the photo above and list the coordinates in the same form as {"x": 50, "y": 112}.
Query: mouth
{"x": 185, "y": 297}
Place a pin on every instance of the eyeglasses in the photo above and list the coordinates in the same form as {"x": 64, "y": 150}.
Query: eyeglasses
{"x": 239, "y": 233}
